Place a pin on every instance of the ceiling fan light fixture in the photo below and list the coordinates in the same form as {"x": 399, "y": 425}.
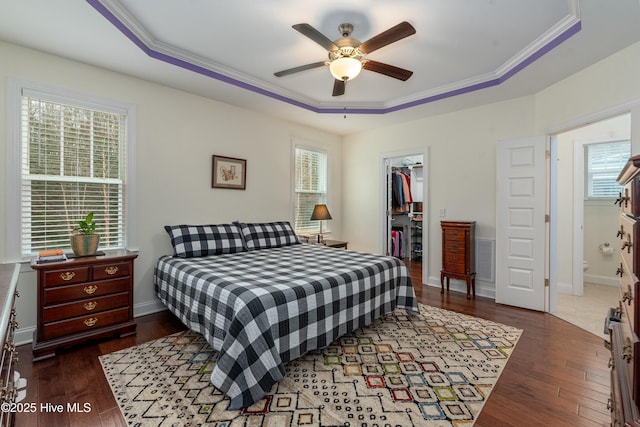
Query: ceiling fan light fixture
{"x": 345, "y": 68}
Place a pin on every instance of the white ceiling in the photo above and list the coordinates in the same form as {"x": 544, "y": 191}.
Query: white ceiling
{"x": 464, "y": 52}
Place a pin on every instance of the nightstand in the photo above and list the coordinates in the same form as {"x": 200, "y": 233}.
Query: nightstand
{"x": 336, "y": 243}
{"x": 82, "y": 299}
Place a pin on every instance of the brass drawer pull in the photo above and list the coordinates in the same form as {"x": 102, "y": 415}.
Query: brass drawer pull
{"x": 91, "y": 305}
{"x": 611, "y": 364}
{"x": 628, "y": 296}
{"x": 91, "y": 289}
{"x": 111, "y": 270}
{"x": 67, "y": 275}
{"x": 623, "y": 199}
{"x": 91, "y": 321}
{"x": 620, "y": 271}
{"x": 627, "y": 352}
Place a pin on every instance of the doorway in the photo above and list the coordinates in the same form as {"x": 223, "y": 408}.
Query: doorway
{"x": 587, "y": 222}
{"x": 404, "y": 208}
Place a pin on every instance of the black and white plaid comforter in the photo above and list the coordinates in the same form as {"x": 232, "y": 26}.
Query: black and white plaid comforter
{"x": 263, "y": 308}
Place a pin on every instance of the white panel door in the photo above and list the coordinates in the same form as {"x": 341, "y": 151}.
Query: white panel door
{"x": 520, "y": 224}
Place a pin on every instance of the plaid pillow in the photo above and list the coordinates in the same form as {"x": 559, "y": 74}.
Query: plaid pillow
{"x": 203, "y": 240}
{"x": 267, "y": 235}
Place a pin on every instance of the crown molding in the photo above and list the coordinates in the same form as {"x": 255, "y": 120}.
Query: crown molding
{"x": 123, "y": 20}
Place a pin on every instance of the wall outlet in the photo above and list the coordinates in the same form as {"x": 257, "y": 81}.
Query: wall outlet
{"x": 443, "y": 212}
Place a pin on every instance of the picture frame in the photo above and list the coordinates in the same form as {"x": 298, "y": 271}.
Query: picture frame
{"x": 229, "y": 172}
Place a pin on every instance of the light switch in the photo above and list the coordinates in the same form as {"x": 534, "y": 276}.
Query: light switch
{"x": 443, "y": 212}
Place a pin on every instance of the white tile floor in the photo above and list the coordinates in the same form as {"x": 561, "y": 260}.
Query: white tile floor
{"x": 588, "y": 311}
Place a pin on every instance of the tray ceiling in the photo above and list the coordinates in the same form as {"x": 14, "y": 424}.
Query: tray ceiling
{"x": 463, "y": 53}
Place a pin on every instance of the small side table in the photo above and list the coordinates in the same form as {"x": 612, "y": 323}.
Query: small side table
{"x": 336, "y": 243}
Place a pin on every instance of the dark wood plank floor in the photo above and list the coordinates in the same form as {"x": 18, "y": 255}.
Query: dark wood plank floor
{"x": 557, "y": 375}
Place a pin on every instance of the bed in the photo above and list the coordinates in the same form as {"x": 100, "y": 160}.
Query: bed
{"x": 261, "y": 298}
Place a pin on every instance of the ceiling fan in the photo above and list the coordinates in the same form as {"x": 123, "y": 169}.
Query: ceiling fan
{"x": 347, "y": 55}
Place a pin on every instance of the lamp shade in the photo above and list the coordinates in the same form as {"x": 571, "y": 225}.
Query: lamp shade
{"x": 345, "y": 68}
{"x": 320, "y": 212}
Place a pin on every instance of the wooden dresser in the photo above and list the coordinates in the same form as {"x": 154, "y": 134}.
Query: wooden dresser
{"x": 623, "y": 332}
{"x": 458, "y": 253}
{"x": 8, "y": 293}
{"x": 83, "y": 298}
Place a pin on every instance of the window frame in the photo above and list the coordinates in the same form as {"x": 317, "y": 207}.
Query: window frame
{"x": 587, "y": 173}
{"x": 309, "y": 147}
{"x": 16, "y": 87}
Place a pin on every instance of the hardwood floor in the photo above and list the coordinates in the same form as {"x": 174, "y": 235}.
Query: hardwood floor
{"x": 557, "y": 375}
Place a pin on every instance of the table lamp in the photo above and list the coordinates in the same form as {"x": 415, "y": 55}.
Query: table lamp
{"x": 320, "y": 213}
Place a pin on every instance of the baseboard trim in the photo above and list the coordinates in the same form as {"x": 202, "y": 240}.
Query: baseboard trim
{"x": 602, "y": 280}
{"x": 148, "y": 307}
{"x": 483, "y": 289}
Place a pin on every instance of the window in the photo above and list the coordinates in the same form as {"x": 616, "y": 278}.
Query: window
{"x": 310, "y": 187}
{"x": 72, "y": 161}
{"x": 604, "y": 161}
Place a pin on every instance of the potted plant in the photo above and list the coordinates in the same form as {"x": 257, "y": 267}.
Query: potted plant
{"x": 84, "y": 241}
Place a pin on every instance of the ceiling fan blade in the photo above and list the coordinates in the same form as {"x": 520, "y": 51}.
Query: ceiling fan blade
{"x": 298, "y": 69}
{"x": 393, "y": 34}
{"x": 338, "y": 87}
{"x": 316, "y": 36}
{"x": 387, "y": 70}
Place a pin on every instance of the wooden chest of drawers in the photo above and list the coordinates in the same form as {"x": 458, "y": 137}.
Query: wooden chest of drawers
{"x": 8, "y": 293}
{"x": 624, "y": 344}
{"x": 458, "y": 254}
{"x": 82, "y": 299}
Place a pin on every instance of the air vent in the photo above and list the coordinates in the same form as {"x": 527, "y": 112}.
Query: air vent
{"x": 486, "y": 260}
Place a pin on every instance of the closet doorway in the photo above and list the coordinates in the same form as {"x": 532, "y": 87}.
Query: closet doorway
{"x": 405, "y": 209}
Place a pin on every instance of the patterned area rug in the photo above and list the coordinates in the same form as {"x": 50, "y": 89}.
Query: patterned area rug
{"x": 435, "y": 369}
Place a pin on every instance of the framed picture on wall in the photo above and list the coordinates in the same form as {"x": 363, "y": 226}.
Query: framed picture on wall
{"x": 229, "y": 172}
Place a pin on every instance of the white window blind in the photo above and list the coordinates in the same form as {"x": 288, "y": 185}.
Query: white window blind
{"x": 310, "y": 187}
{"x": 73, "y": 163}
{"x": 604, "y": 161}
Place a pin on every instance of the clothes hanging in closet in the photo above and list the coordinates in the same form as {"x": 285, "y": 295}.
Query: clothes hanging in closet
{"x": 401, "y": 191}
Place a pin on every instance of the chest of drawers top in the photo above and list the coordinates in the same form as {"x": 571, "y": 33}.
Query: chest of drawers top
{"x": 78, "y": 264}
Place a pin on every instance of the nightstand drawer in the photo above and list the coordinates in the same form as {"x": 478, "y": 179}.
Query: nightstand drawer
{"x": 454, "y": 258}
{"x": 85, "y": 307}
{"x": 85, "y": 323}
{"x": 66, "y": 276}
{"x": 455, "y": 268}
{"x": 455, "y": 247}
{"x": 455, "y": 235}
{"x": 85, "y": 290}
{"x": 110, "y": 271}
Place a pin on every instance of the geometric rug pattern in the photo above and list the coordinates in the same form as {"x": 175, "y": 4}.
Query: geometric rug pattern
{"x": 435, "y": 369}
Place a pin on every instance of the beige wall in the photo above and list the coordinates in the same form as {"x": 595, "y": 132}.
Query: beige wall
{"x": 460, "y": 172}
{"x": 177, "y": 133}
{"x": 461, "y": 169}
